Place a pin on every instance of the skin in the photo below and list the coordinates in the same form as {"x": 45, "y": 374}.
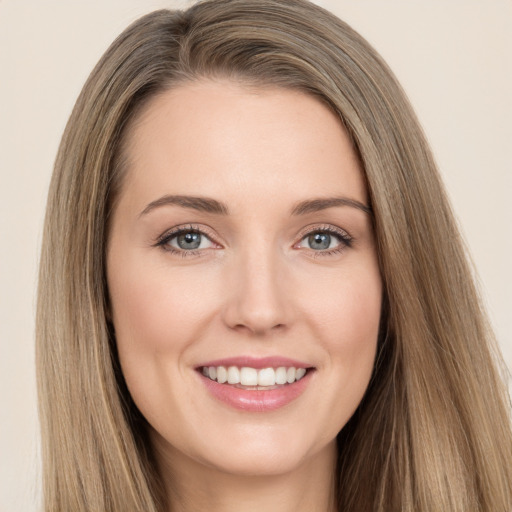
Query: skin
{"x": 256, "y": 287}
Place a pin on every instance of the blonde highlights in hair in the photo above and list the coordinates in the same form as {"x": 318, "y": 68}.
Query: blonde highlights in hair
{"x": 433, "y": 430}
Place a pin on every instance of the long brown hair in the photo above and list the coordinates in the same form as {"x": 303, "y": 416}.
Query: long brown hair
{"x": 433, "y": 430}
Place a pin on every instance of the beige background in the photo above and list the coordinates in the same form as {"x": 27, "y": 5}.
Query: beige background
{"x": 453, "y": 57}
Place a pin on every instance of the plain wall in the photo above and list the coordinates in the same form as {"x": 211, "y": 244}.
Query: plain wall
{"x": 452, "y": 57}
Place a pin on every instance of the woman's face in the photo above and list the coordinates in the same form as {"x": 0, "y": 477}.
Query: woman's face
{"x": 241, "y": 248}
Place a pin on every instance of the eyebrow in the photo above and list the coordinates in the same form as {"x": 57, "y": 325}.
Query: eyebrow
{"x": 202, "y": 204}
{"x": 316, "y": 205}
{"x": 208, "y": 205}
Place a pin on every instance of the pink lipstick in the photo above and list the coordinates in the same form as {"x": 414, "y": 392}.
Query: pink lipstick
{"x": 256, "y": 384}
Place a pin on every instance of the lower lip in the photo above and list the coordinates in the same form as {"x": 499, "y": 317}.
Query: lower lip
{"x": 257, "y": 400}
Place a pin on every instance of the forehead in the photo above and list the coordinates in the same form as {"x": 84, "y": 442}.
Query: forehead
{"x": 215, "y": 138}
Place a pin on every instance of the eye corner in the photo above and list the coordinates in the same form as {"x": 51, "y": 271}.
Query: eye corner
{"x": 326, "y": 235}
{"x": 198, "y": 239}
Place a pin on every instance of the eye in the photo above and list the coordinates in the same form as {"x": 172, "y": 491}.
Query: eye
{"x": 185, "y": 241}
{"x": 320, "y": 241}
{"x": 190, "y": 240}
{"x": 326, "y": 240}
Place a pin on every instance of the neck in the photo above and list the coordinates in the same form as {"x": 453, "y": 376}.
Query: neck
{"x": 192, "y": 486}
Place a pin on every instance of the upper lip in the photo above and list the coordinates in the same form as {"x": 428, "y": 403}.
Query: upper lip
{"x": 257, "y": 362}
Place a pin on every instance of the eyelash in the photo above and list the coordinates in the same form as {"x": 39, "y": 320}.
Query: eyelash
{"x": 346, "y": 241}
{"x": 343, "y": 237}
{"x": 164, "y": 240}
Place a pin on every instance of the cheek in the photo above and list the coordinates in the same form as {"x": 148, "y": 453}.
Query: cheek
{"x": 155, "y": 316}
{"x": 346, "y": 316}
{"x": 347, "y": 309}
{"x": 154, "y": 310}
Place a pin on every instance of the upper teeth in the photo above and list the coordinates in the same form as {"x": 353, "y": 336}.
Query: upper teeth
{"x": 252, "y": 377}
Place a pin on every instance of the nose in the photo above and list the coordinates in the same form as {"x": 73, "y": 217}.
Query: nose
{"x": 257, "y": 300}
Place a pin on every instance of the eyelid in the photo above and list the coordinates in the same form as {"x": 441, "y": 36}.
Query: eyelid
{"x": 345, "y": 239}
{"x": 326, "y": 228}
{"x": 163, "y": 239}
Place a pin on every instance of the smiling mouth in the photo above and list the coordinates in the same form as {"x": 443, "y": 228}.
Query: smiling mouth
{"x": 253, "y": 379}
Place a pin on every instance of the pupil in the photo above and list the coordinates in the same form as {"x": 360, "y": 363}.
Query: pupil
{"x": 319, "y": 241}
{"x": 189, "y": 241}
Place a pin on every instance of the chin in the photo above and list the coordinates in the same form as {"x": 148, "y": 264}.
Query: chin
{"x": 264, "y": 453}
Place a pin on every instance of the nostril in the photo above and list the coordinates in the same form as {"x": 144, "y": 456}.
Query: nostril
{"x": 257, "y": 306}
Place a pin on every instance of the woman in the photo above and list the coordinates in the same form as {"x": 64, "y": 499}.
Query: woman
{"x": 253, "y": 293}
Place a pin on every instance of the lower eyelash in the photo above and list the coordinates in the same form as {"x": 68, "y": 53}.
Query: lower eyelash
{"x": 164, "y": 239}
{"x": 178, "y": 252}
{"x": 329, "y": 252}
{"x": 346, "y": 241}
